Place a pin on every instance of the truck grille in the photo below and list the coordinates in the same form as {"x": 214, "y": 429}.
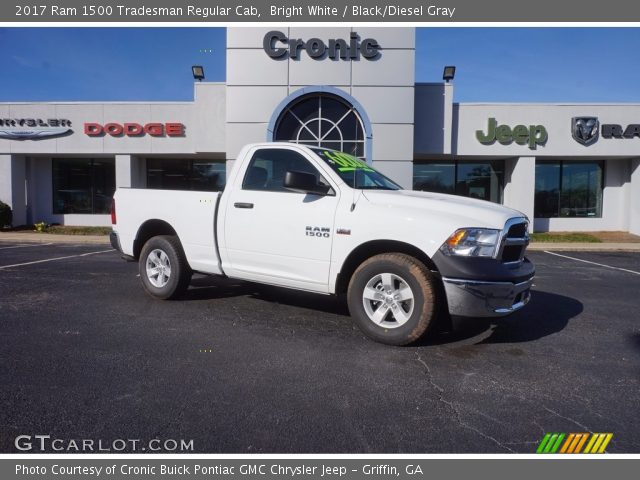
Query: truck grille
{"x": 515, "y": 242}
{"x": 519, "y": 230}
{"x": 513, "y": 253}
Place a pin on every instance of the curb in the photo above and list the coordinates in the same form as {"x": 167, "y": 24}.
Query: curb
{"x": 584, "y": 247}
{"x": 30, "y": 237}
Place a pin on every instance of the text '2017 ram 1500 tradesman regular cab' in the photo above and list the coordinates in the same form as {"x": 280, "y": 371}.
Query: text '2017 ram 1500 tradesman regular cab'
{"x": 319, "y": 220}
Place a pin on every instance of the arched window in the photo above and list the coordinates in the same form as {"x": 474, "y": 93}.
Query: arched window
{"x": 323, "y": 120}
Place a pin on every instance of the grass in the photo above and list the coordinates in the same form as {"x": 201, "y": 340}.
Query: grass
{"x": 71, "y": 230}
{"x": 572, "y": 237}
{"x": 61, "y": 230}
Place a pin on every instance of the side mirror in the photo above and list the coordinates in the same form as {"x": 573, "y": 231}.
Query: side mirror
{"x": 304, "y": 182}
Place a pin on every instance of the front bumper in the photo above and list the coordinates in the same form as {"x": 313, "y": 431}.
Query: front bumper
{"x": 474, "y": 298}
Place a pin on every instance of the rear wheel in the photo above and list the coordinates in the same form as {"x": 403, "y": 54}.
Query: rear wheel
{"x": 392, "y": 298}
{"x": 163, "y": 267}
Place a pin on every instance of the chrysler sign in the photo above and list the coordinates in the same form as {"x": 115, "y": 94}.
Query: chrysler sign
{"x": 33, "y": 128}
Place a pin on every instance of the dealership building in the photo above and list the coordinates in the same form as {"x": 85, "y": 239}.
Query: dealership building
{"x": 569, "y": 167}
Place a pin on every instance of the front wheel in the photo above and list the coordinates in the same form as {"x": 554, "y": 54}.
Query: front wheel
{"x": 392, "y": 298}
{"x": 163, "y": 267}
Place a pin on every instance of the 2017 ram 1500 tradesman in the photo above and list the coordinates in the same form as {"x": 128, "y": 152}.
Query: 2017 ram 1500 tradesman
{"x": 319, "y": 220}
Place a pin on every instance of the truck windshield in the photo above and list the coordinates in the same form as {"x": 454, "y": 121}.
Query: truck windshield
{"x": 354, "y": 172}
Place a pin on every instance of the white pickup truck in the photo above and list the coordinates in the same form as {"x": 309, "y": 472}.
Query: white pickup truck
{"x": 324, "y": 221}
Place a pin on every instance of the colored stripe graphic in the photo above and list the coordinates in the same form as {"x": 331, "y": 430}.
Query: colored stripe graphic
{"x": 598, "y": 443}
{"x": 605, "y": 442}
{"x": 569, "y": 443}
{"x": 553, "y": 443}
{"x": 574, "y": 443}
{"x": 578, "y": 448}
{"x": 594, "y": 437}
{"x": 579, "y": 437}
{"x": 556, "y": 445}
{"x": 543, "y": 443}
{"x": 550, "y": 443}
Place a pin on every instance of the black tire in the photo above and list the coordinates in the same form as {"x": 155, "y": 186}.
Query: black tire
{"x": 398, "y": 320}
{"x": 164, "y": 250}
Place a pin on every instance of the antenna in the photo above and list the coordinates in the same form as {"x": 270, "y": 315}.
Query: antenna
{"x": 353, "y": 198}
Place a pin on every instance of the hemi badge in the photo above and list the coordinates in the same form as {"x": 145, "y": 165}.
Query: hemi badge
{"x": 343, "y": 231}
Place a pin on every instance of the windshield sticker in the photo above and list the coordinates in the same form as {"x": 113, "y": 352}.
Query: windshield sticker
{"x": 345, "y": 162}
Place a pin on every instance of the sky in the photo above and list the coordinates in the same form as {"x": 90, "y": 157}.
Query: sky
{"x": 105, "y": 64}
{"x": 591, "y": 65}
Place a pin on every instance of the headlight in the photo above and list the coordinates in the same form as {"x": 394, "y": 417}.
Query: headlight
{"x": 472, "y": 242}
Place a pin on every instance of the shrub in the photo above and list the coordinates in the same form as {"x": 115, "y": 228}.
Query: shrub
{"x": 6, "y": 215}
{"x": 40, "y": 227}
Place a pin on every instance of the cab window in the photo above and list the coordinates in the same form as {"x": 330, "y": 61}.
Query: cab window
{"x": 268, "y": 167}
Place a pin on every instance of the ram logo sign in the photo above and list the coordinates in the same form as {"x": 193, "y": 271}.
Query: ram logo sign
{"x": 585, "y": 130}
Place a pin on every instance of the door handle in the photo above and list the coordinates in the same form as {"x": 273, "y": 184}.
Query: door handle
{"x": 243, "y": 205}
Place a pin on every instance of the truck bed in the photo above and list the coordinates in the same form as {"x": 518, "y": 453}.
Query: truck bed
{"x": 191, "y": 214}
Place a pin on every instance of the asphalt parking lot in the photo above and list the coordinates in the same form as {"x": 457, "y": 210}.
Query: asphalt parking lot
{"x": 235, "y": 367}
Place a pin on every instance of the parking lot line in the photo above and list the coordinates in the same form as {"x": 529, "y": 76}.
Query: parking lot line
{"x": 593, "y": 263}
{"x": 26, "y": 245}
{"x": 54, "y": 259}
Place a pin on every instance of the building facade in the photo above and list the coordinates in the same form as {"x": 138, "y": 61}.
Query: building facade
{"x": 567, "y": 166}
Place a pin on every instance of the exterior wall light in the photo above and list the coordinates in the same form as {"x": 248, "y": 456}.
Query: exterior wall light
{"x": 448, "y": 73}
{"x": 198, "y": 72}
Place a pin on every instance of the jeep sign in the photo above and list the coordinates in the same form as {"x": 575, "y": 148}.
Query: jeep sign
{"x": 532, "y": 135}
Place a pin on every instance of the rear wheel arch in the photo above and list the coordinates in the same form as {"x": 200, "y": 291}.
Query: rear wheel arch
{"x": 149, "y": 229}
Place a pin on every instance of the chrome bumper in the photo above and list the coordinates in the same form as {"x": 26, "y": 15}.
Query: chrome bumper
{"x": 469, "y": 298}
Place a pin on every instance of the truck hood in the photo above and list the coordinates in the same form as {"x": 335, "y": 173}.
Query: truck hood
{"x": 463, "y": 211}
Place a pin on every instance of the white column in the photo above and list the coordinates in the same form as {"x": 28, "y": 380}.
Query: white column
{"x": 19, "y": 194}
{"x": 634, "y": 203}
{"x": 131, "y": 171}
{"x": 12, "y": 186}
{"x": 519, "y": 186}
{"x": 6, "y": 187}
{"x": 124, "y": 171}
{"x": 399, "y": 171}
{"x": 448, "y": 117}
